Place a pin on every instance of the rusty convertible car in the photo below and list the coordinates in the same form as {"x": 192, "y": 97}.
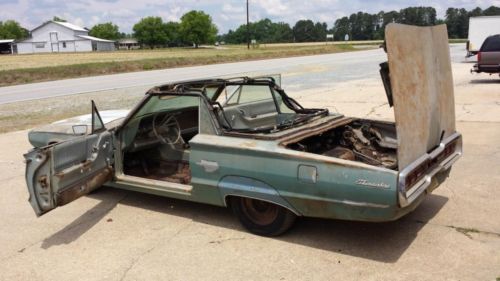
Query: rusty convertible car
{"x": 244, "y": 143}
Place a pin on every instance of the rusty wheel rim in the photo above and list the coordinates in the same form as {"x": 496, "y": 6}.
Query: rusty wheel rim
{"x": 259, "y": 212}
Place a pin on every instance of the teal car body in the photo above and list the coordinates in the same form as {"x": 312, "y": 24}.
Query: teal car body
{"x": 244, "y": 143}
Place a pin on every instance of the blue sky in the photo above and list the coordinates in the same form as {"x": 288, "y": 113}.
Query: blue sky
{"x": 227, "y": 14}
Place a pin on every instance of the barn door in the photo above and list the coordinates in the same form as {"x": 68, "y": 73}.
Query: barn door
{"x": 54, "y": 42}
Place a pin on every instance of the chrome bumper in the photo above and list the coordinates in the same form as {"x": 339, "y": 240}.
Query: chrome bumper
{"x": 406, "y": 197}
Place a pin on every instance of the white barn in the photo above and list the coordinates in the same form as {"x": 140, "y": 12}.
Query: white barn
{"x": 59, "y": 37}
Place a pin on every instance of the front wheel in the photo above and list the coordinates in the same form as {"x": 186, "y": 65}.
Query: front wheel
{"x": 261, "y": 217}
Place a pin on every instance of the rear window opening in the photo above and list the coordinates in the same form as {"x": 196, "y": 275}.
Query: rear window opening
{"x": 370, "y": 142}
{"x": 491, "y": 44}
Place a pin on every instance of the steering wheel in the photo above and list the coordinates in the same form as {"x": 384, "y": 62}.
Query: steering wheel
{"x": 167, "y": 130}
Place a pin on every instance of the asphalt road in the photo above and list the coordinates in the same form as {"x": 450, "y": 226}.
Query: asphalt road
{"x": 302, "y": 72}
{"x": 346, "y": 66}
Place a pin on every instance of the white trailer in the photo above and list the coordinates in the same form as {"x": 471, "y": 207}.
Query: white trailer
{"x": 479, "y": 29}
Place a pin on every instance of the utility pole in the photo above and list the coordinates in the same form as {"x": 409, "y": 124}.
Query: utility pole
{"x": 248, "y": 30}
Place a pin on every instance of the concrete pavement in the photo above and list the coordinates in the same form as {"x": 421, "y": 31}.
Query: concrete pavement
{"x": 120, "y": 235}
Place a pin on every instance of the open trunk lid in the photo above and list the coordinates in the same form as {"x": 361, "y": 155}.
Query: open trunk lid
{"x": 422, "y": 88}
{"x": 424, "y": 107}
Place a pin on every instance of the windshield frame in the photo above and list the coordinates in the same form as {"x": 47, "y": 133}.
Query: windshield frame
{"x": 198, "y": 88}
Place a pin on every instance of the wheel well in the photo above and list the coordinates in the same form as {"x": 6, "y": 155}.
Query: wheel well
{"x": 227, "y": 201}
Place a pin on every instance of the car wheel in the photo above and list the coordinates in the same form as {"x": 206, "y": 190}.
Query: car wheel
{"x": 261, "y": 217}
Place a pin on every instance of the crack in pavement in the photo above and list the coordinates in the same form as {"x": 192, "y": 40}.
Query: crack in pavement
{"x": 372, "y": 110}
{"x": 463, "y": 230}
{"x": 220, "y": 241}
{"x": 144, "y": 253}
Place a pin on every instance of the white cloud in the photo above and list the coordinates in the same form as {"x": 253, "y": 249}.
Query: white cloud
{"x": 227, "y": 14}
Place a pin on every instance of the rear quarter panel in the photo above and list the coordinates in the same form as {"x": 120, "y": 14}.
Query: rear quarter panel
{"x": 337, "y": 192}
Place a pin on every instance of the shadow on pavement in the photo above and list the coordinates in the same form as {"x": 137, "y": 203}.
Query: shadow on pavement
{"x": 384, "y": 242}
{"x": 87, "y": 220}
{"x": 485, "y": 81}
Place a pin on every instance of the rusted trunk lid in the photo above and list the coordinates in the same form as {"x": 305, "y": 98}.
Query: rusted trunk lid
{"x": 422, "y": 88}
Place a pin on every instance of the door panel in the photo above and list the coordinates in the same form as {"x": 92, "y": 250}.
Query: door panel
{"x": 252, "y": 114}
{"x": 60, "y": 173}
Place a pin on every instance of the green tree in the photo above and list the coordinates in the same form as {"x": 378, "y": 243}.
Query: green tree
{"x": 457, "y": 22}
{"x": 492, "y": 11}
{"x": 280, "y": 33}
{"x": 197, "y": 28}
{"x": 319, "y": 32}
{"x": 303, "y": 31}
{"x": 264, "y": 31}
{"x": 172, "y": 30}
{"x": 56, "y": 18}
{"x": 151, "y": 31}
{"x": 106, "y": 31}
{"x": 341, "y": 27}
{"x": 11, "y": 29}
{"x": 476, "y": 12}
{"x": 422, "y": 16}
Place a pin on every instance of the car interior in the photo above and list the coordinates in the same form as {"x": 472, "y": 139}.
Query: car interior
{"x": 155, "y": 141}
{"x": 254, "y": 106}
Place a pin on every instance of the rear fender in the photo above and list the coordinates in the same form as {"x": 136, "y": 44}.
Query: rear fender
{"x": 251, "y": 188}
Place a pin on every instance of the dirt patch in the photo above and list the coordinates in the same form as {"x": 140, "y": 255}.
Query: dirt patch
{"x": 28, "y": 114}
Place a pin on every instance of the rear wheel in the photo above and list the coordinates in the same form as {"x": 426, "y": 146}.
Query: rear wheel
{"x": 261, "y": 217}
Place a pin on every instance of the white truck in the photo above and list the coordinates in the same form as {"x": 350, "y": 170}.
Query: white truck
{"x": 479, "y": 29}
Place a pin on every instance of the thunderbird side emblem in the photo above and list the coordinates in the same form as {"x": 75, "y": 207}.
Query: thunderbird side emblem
{"x": 364, "y": 182}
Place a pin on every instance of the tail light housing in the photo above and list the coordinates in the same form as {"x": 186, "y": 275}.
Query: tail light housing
{"x": 419, "y": 172}
{"x": 478, "y": 56}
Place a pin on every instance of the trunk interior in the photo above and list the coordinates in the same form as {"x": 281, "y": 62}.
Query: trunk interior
{"x": 367, "y": 141}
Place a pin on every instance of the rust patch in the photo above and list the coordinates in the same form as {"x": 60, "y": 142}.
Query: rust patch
{"x": 311, "y": 131}
{"x": 83, "y": 187}
{"x": 43, "y": 181}
{"x": 86, "y": 164}
{"x": 248, "y": 144}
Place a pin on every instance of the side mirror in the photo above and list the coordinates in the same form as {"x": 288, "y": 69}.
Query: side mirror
{"x": 80, "y": 129}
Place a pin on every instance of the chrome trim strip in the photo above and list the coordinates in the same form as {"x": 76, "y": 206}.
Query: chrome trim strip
{"x": 336, "y": 201}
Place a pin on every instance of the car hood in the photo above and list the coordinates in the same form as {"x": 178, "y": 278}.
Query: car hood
{"x": 422, "y": 88}
{"x": 110, "y": 118}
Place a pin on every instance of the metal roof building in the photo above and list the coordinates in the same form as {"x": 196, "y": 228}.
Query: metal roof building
{"x": 59, "y": 37}
{"x": 7, "y": 46}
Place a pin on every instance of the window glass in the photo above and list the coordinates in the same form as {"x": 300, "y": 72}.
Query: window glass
{"x": 210, "y": 91}
{"x": 167, "y": 103}
{"x": 251, "y": 93}
{"x": 227, "y": 93}
{"x": 283, "y": 108}
{"x": 491, "y": 44}
{"x": 206, "y": 124}
{"x": 97, "y": 124}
